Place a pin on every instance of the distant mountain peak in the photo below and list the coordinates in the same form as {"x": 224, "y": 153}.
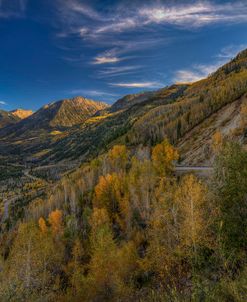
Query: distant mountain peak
{"x": 55, "y": 115}
{"x": 69, "y": 112}
{"x": 21, "y": 113}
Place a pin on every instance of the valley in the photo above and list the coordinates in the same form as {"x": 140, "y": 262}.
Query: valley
{"x": 107, "y": 194}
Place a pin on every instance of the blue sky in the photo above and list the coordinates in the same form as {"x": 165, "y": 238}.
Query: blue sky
{"x": 55, "y": 49}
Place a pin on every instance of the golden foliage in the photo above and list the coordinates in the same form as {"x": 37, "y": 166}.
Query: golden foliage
{"x": 190, "y": 198}
{"x": 118, "y": 157}
{"x": 107, "y": 192}
{"x": 42, "y": 225}
{"x": 99, "y": 217}
{"x": 163, "y": 156}
{"x": 55, "y": 220}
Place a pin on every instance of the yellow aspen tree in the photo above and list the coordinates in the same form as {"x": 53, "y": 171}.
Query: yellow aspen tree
{"x": 141, "y": 182}
{"x": 118, "y": 157}
{"x": 55, "y": 220}
{"x": 33, "y": 265}
{"x": 111, "y": 267}
{"x": 75, "y": 271}
{"x": 108, "y": 193}
{"x": 163, "y": 156}
{"x": 42, "y": 225}
{"x": 190, "y": 198}
{"x": 163, "y": 234}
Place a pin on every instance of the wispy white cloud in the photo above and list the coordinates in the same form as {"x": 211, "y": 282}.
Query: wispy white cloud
{"x": 105, "y": 60}
{"x": 110, "y": 56}
{"x": 138, "y": 85}
{"x": 201, "y": 71}
{"x": 123, "y": 49}
{"x": 83, "y": 9}
{"x": 93, "y": 93}
{"x": 118, "y": 26}
{"x": 197, "y": 13}
{"x": 118, "y": 70}
{"x": 3, "y": 103}
{"x": 196, "y": 73}
{"x": 230, "y": 51}
{"x": 190, "y": 15}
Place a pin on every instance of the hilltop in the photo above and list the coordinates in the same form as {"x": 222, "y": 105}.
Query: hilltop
{"x": 22, "y": 113}
{"x": 7, "y": 118}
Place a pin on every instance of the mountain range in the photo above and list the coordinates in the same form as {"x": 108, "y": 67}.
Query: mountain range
{"x": 144, "y": 200}
{"x": 79, "y": 129}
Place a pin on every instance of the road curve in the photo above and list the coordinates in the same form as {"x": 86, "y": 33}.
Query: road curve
{"x": 27, "y": 174}
{"x": 194, "y": 168}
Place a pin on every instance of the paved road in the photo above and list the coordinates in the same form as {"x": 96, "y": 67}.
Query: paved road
{"x": 194, "y": 168}
{"x": 7, "y": 202}
{"x": 26, "y": 173}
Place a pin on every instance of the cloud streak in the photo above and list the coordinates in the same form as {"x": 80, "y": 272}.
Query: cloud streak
{"x": 230, "y": 51}
{"x": 105, "y": 60}
{"x": 190, "y": 16}
{"x": 138, "y": 85}
{"x": 201, "y": 71}
{"x": 92, "y": 93}
{"x": 118, "y": 70}
{"x": 196, "y": 73}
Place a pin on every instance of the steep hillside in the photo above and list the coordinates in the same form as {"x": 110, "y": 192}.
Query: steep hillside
{"x": 198, "y": 102}
{"x": 98, "y": 133}
{"x": 21, "y": 113}
{"x": 130, "y": 100}
{"x": 230, "y": 121}
{"x": 171, "y": 112}
{"x": 7, "y": 118}
{"x": 71, "y": 130}
{"x": 58, "y": 115}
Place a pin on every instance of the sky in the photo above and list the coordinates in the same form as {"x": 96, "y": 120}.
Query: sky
{"x": 105, "y": 49}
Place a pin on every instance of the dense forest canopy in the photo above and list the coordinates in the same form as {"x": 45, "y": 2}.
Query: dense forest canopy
{"x": 124, "y": 228}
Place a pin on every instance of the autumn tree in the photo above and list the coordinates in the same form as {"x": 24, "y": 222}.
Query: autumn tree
{"x": 190, "y": 198}
{"x": 32, "y": 269}
{"x": 118, "y": 157}
{"x": 230, "y": 183}
{"x": 163, "y": 235}
{"x": 163, "y": 156}
{"x": 110, "y": 267}
{"x": 55, "y": 220}
{"x": 42, "y": 225}
{"x": 141, "y": 180}
{"x": 76, "y": 272}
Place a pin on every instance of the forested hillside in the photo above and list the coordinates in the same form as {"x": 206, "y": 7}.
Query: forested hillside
{"x": 170, "y": 112}
{"x": 76, "y": 129}
{"x": 123, "y": 225}
{"x": 123, "y": 228}
{"x": 38, "y": 131}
